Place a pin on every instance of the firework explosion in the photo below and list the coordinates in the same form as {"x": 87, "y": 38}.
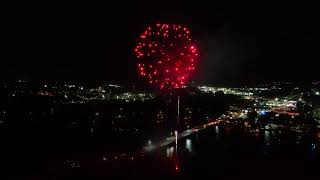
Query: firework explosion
{"x": 166, "y": 55}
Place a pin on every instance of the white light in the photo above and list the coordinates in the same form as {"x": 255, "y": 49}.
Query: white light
{"x": 170, "y": 151}
{"x": 176, "y": 134}
{"x": 188, "y": 145}
{"x": 266, "y": 136}
{"x": 217, "y": 129}
{"x": 317, "y": 93}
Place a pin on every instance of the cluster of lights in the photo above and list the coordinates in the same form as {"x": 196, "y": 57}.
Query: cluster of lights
{"x": 166, "y": 55}
{"x": 233, "y": 91}
{"x": 134, "y": 96}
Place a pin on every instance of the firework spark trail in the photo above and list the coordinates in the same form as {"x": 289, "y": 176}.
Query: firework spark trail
{"x": 166, "y": 55}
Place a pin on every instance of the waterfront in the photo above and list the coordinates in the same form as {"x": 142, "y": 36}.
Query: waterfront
{"x": 218, "y": 151}
{"x": 260, "y": 132}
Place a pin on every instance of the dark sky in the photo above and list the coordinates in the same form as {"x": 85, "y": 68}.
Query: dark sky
{"x": 238, "y": 42}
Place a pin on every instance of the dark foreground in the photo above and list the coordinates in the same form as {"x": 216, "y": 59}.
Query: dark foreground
{"x": 219, "y": 151}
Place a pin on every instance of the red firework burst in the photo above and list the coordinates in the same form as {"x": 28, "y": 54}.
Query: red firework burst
{"x": 166, "y": 55}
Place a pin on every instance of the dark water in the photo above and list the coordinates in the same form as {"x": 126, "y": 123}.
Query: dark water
{"x": 236, "y": 152}
{"x": 219, "y": 152}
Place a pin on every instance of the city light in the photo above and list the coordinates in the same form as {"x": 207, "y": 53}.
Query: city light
{"x": 124, "y": 111}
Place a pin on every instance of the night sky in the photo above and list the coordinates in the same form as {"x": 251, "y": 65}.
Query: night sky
{"x": 238, "y": 42}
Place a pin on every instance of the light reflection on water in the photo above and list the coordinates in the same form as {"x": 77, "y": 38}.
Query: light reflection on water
{"x": 313, "y": 153}
{"x": 170, "y": 151}
{"x": 189, "y": 145}
{"x": 217, "y": 129}
{"x": 217, "y": 133}
{"x": 272, "y": 147}
{"x": 266, "y": 136}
